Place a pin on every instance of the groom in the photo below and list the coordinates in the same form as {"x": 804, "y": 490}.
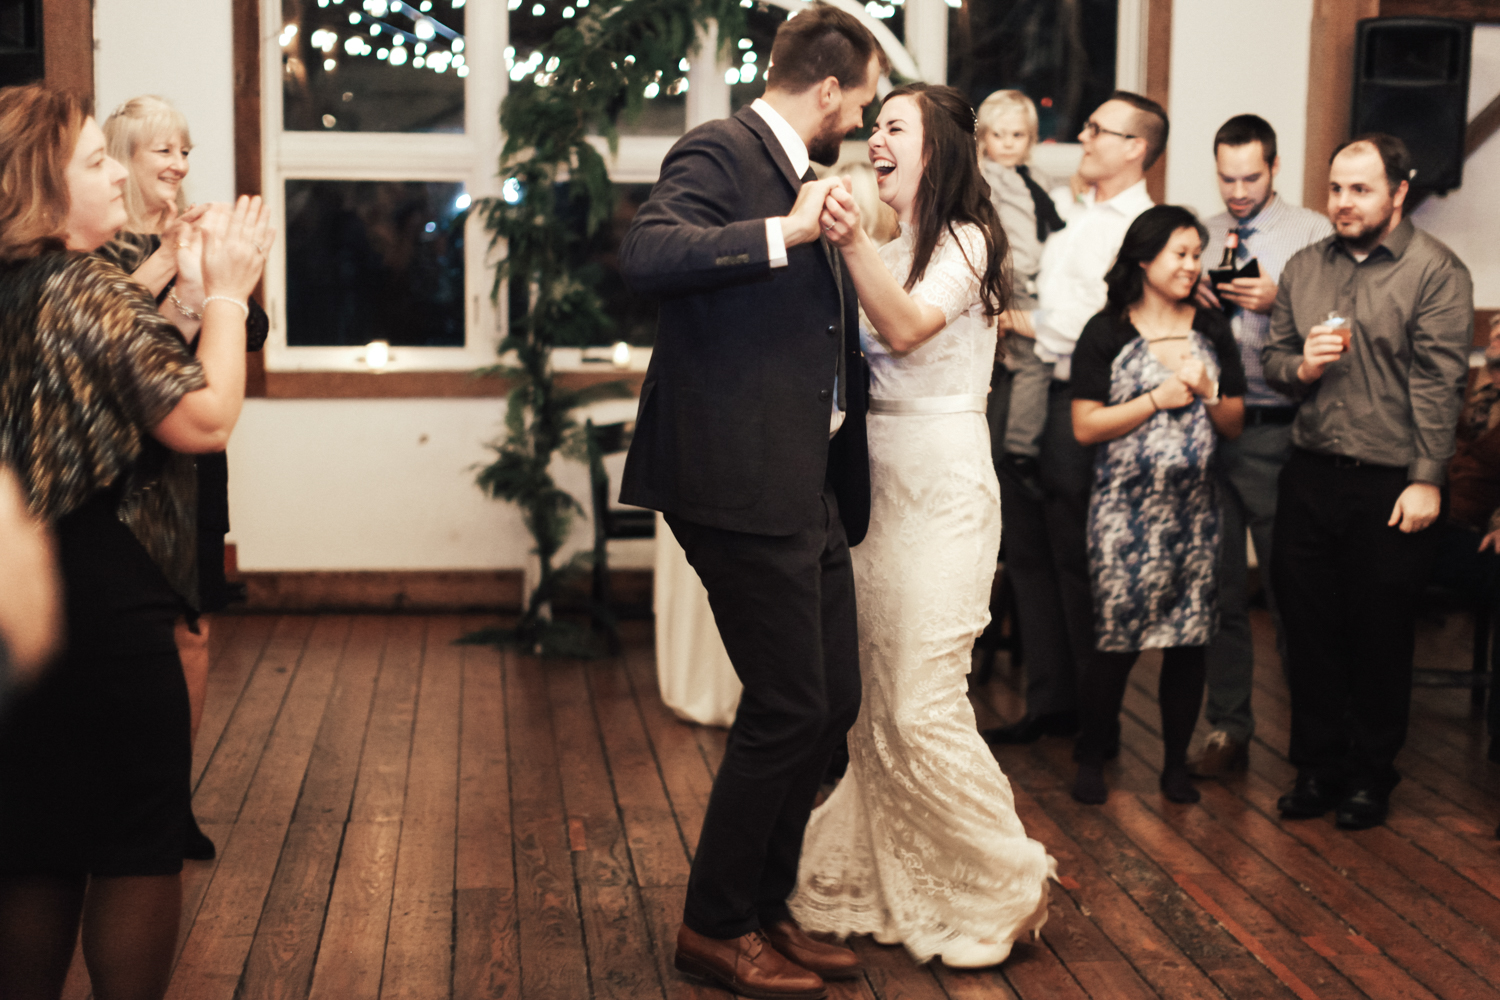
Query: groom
{"x": 751, "y": 440}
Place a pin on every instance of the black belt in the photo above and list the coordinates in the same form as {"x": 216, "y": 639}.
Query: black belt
{"x": 1280, "y": 416}
{"x": 1344, "y": 461}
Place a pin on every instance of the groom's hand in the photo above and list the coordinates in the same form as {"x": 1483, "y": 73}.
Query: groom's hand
{"x": 840, "y": 216}
{"x": 801, "y": 226}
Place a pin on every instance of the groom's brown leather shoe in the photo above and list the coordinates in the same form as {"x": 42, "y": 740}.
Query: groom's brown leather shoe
{"x": 746, "y": 965}
{"x": 829, "y": 960}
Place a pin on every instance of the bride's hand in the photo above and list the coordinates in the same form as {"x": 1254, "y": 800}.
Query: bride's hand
{"x": 840, "y": 217}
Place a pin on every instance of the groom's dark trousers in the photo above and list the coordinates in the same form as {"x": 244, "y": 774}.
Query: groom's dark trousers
{"x": 732, "y": 445}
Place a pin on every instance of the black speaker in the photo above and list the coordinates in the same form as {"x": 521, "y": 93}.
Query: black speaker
{"x": 20, "y": 41}
{"x": 1411, "y": 79}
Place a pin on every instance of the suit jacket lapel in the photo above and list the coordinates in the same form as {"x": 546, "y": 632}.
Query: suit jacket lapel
{"x": 748, "y": 117}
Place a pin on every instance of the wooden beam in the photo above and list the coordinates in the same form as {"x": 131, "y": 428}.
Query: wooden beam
{"x": 1481, "y": 127}
{"x": 418, "y": 385}
{"x": 1460, "y": 10}
{"x": 68, "y": 45}
{"x": 1330, "y": 88}
{"x": 1159, "y": 83}
{"x": 245, "y": 15}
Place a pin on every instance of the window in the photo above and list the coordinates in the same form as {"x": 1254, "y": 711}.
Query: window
{"x": 378, "y": 130}
{"x": 379, "y": 126}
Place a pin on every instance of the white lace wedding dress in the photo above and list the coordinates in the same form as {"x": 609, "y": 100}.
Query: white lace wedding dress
{"x": 920, "y": 842}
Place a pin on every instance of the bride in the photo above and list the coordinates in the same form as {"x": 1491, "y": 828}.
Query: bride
{"x": 920, "y": 843}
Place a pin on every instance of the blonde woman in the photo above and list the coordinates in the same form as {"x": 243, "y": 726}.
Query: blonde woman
{"x": 151, "y": 139}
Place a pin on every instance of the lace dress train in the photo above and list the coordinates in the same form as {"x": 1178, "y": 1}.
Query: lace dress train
{"x": 920, "y": 842}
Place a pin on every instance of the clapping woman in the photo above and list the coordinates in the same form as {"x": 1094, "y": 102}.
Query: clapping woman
{"x": 151, "y": 139}
{"x": 1156, "y": 382}
{"x": 94, "y": 759}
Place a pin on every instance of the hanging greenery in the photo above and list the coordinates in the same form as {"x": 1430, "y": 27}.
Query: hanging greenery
{"x": 556, "y": 196}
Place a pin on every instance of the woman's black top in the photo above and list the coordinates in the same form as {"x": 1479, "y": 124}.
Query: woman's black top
{"x": 1106, "y": 334}
{"x": 130, "y": 251}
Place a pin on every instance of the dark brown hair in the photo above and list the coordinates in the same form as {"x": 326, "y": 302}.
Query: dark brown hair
{"x": 1393, "y": 156}
{"x": 1144, "y": 241}
{"x": 1150, "y": 124}
{"x": 953, "y": 191}
{"x": 1242, "y": 130}
{"x": 818, "y": 42}
{"x": 38, "y": 133}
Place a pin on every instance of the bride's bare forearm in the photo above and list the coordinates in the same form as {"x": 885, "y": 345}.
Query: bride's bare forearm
{"x": 901, "y": 321}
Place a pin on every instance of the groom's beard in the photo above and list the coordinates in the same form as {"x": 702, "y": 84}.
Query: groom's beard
{"x": 826, "y": 144}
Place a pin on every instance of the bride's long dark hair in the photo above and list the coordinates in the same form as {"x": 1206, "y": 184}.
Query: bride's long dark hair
{"x": 953, "y": 192}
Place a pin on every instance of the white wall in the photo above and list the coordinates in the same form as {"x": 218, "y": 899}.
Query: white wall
{"x": 1465, "y": 219}
{"x": 1231, "y": 58}
{"x": 181, "y": 50}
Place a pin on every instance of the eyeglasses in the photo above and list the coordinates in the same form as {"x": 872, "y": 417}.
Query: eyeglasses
{"x": 1092, "y": 129}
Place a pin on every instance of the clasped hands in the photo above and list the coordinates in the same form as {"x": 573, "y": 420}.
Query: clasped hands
{"x": 1190, "y": 380}
{"x": 1255, "y": 294}
{"x": 220, "y": 249}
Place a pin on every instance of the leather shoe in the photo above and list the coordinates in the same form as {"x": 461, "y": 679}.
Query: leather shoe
{"x": 829, "y": 960}
{"x": 746, "y": 965}
{"x": 1034, "y": 727}
{"x": 1222, "y": 755}
{"x": 1309, "y": 798}
{"x": 1362, "y": 809}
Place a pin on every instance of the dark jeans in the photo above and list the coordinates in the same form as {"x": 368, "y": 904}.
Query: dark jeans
{"x": 1179, "y": 691}
{"x": 785, "y": 610}
{"x": 1046, "y": 553}
{"x": 1348, "y": 585}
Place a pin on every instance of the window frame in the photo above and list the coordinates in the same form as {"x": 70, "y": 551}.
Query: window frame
{"x": 468, "y": 158}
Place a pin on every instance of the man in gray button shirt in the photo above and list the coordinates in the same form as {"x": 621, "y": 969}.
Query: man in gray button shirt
{"x": 1381, "y": 394}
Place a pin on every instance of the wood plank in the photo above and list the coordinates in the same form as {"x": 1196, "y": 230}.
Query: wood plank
{"x": 328, "y": 790}
{"x": 223, "y": 932}
{"x": 486, "y": 958}
{"x": 226, "y": 780}
{"x": 380, "y": 789}
{"x": 280, "y": 963}
{"x": 351, "y": 953}
{"x": 619, "y": 960}
{"x": 657, "y": 845}
{"x": 272, "y": 796}
{"x": 484, "y": 857}
{"x": 553, "y": 961}
{"x": 211, "y": 962}
{"x": 1296, "y": 868}
{"x": 229, "y": 670}
{"x": 893, "y": 975}
{"x": 685, "y": 773}
{"x": 418, "y": 956}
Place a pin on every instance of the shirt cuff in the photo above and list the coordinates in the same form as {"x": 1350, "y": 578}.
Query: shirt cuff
{"x": 1427, "y": 470}
{"x": 775, "y": 243}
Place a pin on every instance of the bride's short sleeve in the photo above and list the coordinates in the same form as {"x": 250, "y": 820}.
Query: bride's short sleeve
{"x": 951, "y": 282}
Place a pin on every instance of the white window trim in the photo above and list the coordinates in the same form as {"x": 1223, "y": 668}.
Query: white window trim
{"x": 471, "y": 158}
{"x": 468, "y": 159}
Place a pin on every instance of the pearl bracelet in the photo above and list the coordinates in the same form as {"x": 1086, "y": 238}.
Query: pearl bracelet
{"x": 245, "y": 308}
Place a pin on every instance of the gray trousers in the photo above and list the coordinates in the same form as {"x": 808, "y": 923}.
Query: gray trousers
{"x": 1250, "y": 468}
{"x": 1031, "y": 379}
{"x": 1046, "y": 551}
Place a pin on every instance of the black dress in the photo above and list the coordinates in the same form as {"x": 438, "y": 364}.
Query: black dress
{"x": 95, "y": 758}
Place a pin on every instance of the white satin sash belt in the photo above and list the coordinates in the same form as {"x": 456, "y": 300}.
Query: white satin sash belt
{"x": 929, "y": 405}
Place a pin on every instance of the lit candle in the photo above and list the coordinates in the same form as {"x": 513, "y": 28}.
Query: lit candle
{"x": 377, "y": 355}
{"x": 621, "y": 355}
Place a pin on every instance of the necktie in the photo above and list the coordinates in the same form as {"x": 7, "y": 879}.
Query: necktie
{"x": 1242, "y": 252}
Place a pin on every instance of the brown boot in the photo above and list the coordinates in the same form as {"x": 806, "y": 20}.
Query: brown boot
{"x": 746, "y": 965}
{"x": 829, "y": 960}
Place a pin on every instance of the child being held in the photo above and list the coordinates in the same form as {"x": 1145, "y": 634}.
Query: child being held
{"x": 1007, "y": 129}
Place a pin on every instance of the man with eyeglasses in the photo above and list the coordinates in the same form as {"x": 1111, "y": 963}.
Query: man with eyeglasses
{"x": 1046, "y": 518}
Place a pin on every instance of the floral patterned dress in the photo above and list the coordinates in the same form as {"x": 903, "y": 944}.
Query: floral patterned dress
{"x": 1153, "y": 524}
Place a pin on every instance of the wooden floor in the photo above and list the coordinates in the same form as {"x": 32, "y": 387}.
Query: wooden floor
{"x": 399, "y": 816}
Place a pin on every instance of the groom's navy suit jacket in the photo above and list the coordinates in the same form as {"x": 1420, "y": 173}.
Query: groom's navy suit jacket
{"x": 732, "y": 430}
